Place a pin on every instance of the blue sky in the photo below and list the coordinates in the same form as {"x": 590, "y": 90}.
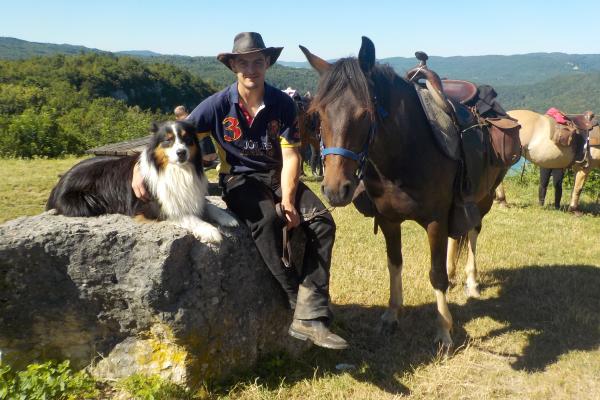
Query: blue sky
{"x": 329, "y": 28}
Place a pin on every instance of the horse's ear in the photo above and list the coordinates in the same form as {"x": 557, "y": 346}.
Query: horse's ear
{"x": 153, "y": 127}
{"x": 366, "y": 55}
{"x": 317, "y": 62}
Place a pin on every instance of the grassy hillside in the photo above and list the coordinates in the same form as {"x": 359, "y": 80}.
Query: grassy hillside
{"x": 534, "y": 334}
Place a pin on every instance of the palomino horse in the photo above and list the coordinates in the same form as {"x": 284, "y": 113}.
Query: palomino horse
{"x": 536, "y": 136}
{"x": 372, "y": 121}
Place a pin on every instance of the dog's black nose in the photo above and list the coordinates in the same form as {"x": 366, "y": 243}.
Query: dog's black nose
{"x": 181, "y": 153}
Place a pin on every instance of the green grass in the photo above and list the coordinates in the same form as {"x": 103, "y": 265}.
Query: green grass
{"x": 534, "y": 334}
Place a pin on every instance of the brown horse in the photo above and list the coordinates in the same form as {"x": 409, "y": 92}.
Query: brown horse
{"x": 308, "y": 127}
{"x": 368, "y": 109}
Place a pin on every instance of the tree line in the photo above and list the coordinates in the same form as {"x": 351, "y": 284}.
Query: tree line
{"x": 59, "y": 105}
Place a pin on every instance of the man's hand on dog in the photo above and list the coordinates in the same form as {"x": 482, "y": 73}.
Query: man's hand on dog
{"x": 137, "y": 184}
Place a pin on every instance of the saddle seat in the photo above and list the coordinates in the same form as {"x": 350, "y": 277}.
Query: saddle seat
{"x": 583, "y": 122}
{"x": 460, "y": 91}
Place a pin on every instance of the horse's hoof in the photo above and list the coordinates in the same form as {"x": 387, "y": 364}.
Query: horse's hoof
{"x": 444, "y": 343}
{"x": 388, "y": 328}
{"x": 472, "y": 292}
{"x": 575, "y": 211}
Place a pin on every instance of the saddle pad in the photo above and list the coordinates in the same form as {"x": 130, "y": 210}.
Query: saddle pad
{"x": 444, "y": 131}
{"x": 557, "y": 115}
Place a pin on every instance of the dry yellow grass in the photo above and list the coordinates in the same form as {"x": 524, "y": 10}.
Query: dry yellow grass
{"x": 534, "y": 334}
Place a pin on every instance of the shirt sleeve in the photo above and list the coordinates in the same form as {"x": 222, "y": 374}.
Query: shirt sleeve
{"x": 290, "y": 135}
{"x": 203, "y": 117}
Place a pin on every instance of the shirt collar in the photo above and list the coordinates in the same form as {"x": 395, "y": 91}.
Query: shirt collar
{"x": 234, "y": 96}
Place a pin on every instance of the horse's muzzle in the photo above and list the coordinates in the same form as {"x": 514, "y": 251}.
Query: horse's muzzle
{"x": 340, "y": 194}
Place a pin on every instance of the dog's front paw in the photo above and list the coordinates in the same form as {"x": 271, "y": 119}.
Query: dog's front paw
{"x": 208, "y": 234}
{"x": 228, "y": 221}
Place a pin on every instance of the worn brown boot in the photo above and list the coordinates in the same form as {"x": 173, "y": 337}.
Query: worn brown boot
{"x": 318, "y": 333}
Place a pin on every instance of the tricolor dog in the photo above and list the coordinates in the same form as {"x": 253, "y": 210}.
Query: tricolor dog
{"x": 172, "y": 169}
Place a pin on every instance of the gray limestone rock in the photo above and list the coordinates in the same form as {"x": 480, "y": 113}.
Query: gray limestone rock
{"x": 136, "y": 298}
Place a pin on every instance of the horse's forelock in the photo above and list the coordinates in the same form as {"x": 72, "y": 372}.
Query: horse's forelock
{"x": 344, "y": 74}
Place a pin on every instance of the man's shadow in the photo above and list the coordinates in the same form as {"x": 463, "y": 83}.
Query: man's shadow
{"x": 559, "y": 303}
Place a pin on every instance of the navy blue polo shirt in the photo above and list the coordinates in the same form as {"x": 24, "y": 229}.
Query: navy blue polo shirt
{"x": 243, "y": 146}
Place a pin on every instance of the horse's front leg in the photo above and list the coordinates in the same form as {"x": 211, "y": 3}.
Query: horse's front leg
{"x": 580, "y": 178}
{"x": 393, "y": 244}
{"x": 437, "y": 233}
{"x": 451, "y": 260}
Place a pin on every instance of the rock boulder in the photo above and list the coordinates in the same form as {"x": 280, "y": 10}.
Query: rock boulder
{"x": 136, "y": 298}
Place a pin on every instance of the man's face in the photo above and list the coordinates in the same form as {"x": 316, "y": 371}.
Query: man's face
{"x": 250, "y": 69}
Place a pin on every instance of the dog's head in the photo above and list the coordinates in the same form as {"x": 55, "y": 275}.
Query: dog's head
{"x": 174, "y": 142}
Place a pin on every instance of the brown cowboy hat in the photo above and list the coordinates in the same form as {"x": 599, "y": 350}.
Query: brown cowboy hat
{"x": 248, "y": 43}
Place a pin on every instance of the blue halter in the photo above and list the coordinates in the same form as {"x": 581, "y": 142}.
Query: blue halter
{"x": 360, "y": 158}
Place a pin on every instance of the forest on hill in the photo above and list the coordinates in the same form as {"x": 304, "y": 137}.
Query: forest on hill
{"x": 58, "y": 105}
{"x": 52, "y": 105}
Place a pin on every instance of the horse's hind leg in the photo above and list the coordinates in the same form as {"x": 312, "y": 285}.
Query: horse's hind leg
{"x": 472, "y": 287}
{"x": 393, "y": 244}
{"x": 580, "y": 178}
{"x": 500, "y": 196}
{"x": 437, "y": 233}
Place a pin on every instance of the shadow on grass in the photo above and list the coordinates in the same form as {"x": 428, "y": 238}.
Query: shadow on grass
{"x": 558, "y": 303}
{"x": 590, "y": 208}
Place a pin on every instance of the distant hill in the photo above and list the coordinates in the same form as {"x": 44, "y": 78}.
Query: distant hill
{"x": 571, "y": 94}
{"x": 535, "y": 81}
{"x": 497, "y": 70}
{"x": 17, "y": 49}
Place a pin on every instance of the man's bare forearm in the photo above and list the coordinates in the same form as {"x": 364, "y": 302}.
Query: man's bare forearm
{"x": 290, "y": 174}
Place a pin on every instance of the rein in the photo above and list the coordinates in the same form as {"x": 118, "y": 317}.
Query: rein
{"x": 286, "y": 258}
{"x": 360, "y": 158}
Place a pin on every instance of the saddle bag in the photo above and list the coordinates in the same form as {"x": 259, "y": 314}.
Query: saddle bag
{"x": 504, "y": 136}
{"x": 563, "y": 134}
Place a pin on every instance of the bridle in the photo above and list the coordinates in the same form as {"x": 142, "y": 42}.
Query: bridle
{"x": 362, "y": 157}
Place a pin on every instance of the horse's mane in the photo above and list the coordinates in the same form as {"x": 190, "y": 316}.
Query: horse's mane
{"x": 346, "y": 73}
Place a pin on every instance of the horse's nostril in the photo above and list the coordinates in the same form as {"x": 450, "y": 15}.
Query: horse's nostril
{"x": 345, "y": 189}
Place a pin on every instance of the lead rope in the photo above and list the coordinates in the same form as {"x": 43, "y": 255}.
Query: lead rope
{"x": 286, "y": 258}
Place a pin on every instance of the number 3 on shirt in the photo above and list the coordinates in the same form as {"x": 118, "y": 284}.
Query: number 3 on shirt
{"x": 231, "y": 125}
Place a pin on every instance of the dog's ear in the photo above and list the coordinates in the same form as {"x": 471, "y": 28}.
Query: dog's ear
{"x": 189, "y": 127}
{"x": 153, "y": 127}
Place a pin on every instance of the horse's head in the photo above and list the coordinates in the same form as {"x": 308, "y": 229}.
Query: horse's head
{"x": 345, "y": 107}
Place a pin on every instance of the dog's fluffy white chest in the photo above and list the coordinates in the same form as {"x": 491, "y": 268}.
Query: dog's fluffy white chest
{"x": 178, "y": 189}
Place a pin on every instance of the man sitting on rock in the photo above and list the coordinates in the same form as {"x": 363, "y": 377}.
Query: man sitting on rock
{"x": 256, "y": 130}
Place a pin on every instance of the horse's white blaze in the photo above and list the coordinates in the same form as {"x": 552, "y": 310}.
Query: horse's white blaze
{"x": 444, "y": 319}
